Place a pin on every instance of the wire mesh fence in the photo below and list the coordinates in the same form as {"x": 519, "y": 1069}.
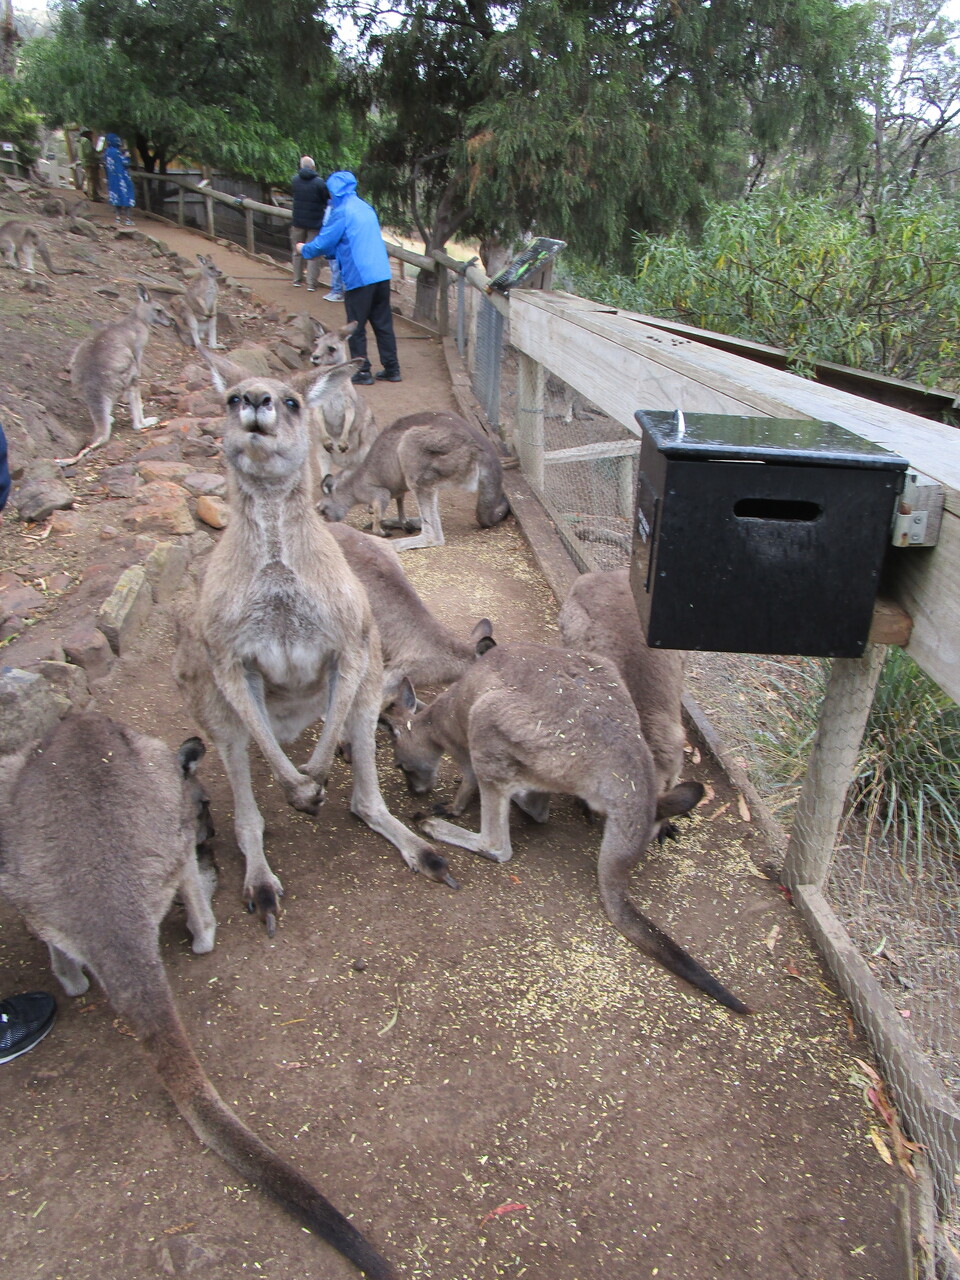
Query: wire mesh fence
{"x": 891, "y": 878}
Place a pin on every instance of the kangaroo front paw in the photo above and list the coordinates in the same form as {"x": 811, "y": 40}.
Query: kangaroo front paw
{"x": 264, "y": 901}
{"x": 306, "y": 795}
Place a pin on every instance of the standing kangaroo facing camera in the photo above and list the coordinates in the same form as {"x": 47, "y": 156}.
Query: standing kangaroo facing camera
{"x": 98, "y": 827}
{"x": 344, "y": 424}
{"x": 282, "y": 634}
{"x": 196, "y": 308}
{"x": 527, "y": 720}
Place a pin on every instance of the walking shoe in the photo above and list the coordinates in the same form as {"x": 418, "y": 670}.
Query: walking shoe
{"x": 384, "y": 375}
{"x": 333, "y": 297}
{"x": 24, "y": 1021}
{"x": 311, "y": 288}
{"x": 296, "y": 283}
{"x": 364, "y": 378}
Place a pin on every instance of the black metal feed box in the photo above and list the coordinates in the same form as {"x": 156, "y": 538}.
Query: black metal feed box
{"x": 760, "y": 535}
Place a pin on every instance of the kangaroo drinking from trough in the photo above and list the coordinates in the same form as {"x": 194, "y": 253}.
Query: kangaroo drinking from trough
{"x": 414, "y": 643}
{"x": 419, "y": 454}
{"x": 98, "y": 826}
{"x": 599, "y": 613}
{"x": 20, "y": 243}
{"x": 195, "y": 309}
{"x": 282, "y": 634}
{"x": 527, "y": 720}
{"x": 343, "y": 421}
{"x": 107, "y": 364}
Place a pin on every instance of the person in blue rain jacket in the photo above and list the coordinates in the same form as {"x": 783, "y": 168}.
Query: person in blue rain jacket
{"x": 120, "y": 191}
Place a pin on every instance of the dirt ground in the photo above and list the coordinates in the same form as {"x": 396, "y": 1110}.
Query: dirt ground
{"x": 490, "y": 1081}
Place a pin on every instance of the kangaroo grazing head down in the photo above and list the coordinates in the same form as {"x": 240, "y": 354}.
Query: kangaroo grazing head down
{"x": 333, "y": 506}
{"x": 415, "y": 753}
{"x": 331, "y": 346}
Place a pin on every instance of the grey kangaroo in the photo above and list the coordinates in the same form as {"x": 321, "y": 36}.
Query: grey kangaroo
{"x": 98, "y": 826}
{"x": 414, "y": 643}
{"x": 344, "y": 422}
{"x": 282, "y": 634}
{"x": 599, "y": 613}
{"x": 107, "y": 364}
{"x": 196, "y": 308}
{"x": 527, "y": 720}
{"x": 20, "y": 243}
{"x": 419, "y": 454}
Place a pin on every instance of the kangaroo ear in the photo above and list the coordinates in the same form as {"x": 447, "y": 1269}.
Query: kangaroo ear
{"x": 348, "y": 330}
{"x": 484, "y": 645}
{"x": 681, "y": 799}
{"x": 327, "y": 483}
{"x": 322, "y": 380}
{"x": 482, "y": 631}
{"x": 223, "y": 372}
{"x": 142, "y": 293}
{"x": 407, "y": 697}
{"x": 189, "y": 756}
{"x": 318, "y": 329}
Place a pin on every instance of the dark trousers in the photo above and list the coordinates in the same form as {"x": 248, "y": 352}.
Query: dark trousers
{"x": 372, "y": 302}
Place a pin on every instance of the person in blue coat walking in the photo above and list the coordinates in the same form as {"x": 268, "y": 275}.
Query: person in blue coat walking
{"x": 120, "y": 191}
{"x": 352, "y": 235}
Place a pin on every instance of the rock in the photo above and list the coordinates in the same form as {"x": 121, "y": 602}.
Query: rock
{"x": 29, "y": 708}
{"x": 290, "y": 356}
{"x": 255, "y": 359}
{"x": 199, "y": 404}
{"x": 161, "y": 506}
{"x": 213, "y": 511}
{"x": 200, "y": 544}
{"x": 35, "y": 284}
{"x": 124, "y": 613}
{"x": 120, "y": 482}
{"x": 200, "y": 483}
{"x": 211, "y": 426}
{"x": 108, "y": 291}
{"x": 164, "y": 568}
{"x": 87, "y": 647}
{"x": 42, "y": 491}
{"x": 81, "y": 227}
{"x": 163, "y": 470}
{"x": 69, "y": 679}
{"x": 164, "y": 453}
{"x": 68, "y": 523}
{"x": 19, "y": 599}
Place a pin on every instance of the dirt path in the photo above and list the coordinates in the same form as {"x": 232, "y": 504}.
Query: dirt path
{"x": 491, "y": 1081}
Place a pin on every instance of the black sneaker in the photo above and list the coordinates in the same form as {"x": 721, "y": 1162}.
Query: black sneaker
{"x": 364, "y": 378}
{"x": 24, "y": 1021}
{"x": 385, "y": 375}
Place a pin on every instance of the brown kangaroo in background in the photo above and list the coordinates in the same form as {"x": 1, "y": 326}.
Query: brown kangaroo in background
{"x": 20, "y": 243}
{"x": 343, "y": 421}
{"x": 599, "y": 613}
{"x": 282, "y": 634}
{"x": 419, "y": 454}
{"x": 98, "y": 827}
{"x": 107, "y": 364}
{"x": 195, "y": 309}
{"x": 527, "y": 720}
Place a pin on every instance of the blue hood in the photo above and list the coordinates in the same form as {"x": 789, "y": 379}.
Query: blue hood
{"x": 114, "y": 141}
{"x": 341, "y": 184}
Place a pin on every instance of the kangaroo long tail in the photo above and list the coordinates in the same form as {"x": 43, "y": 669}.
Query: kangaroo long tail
{"x": 614, "y": 874}
{"x": 55, "y": 271}
{"x": 164, "y": 1038}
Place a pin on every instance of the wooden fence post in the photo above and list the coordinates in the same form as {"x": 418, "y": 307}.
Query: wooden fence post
{"x": 830, "y": 770}
{"x": 443, "y": 302}
{"x": 531, "y": 382}
{"x": 251, "y": 236}
{"x": 180, "y": 215}
{"x": 211, "y": 225}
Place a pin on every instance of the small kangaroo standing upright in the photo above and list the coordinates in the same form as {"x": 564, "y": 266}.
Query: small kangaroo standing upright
{"x": 526, "y": 721}
{"x": 98, "y": 827}
{"x": 20, "y": 243}
{"x": 196, "y": 307}
{"x": 107, "y": 364}
{"x": 599, "y": 613}
{"x": 343, "y": 425}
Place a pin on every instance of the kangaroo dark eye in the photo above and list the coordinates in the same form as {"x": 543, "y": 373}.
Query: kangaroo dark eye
{"x": 291, "y": 403}
{"x": 232, "y": 400}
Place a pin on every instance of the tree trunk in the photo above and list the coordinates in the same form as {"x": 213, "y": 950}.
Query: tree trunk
{"x": 8, "y": 40}
{"x": 425, "y": 302}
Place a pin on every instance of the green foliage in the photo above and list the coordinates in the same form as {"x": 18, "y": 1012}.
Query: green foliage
{"x": 19, "y": 122}
{"x": 196, "y": 78}
{"x": 877, "y": 291}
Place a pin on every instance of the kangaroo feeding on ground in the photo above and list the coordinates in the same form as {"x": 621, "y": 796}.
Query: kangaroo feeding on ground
{"x": 343, "y": 421}
{"x": 107, "y": 364}
{"x": 98, "y": 826}
{"x": 414, "y": 643}
{"x": 282, "y": 633}
{"x": 195, "y": 309}
{"x": 599, "y": 613}
{"x": 527, "y": 720}
{"x": 20, "y": 243}
{"x": 419, "y": 454}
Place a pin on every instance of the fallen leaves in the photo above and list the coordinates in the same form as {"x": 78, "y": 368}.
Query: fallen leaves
{"x": 875, "y": 1095}
{"x": 511, "y": 1207}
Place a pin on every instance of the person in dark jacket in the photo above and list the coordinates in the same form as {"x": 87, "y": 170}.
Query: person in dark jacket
{"x": 310, "y": 198}
{"x": 4, "y": 473}
{"x": 352, "y": 234}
